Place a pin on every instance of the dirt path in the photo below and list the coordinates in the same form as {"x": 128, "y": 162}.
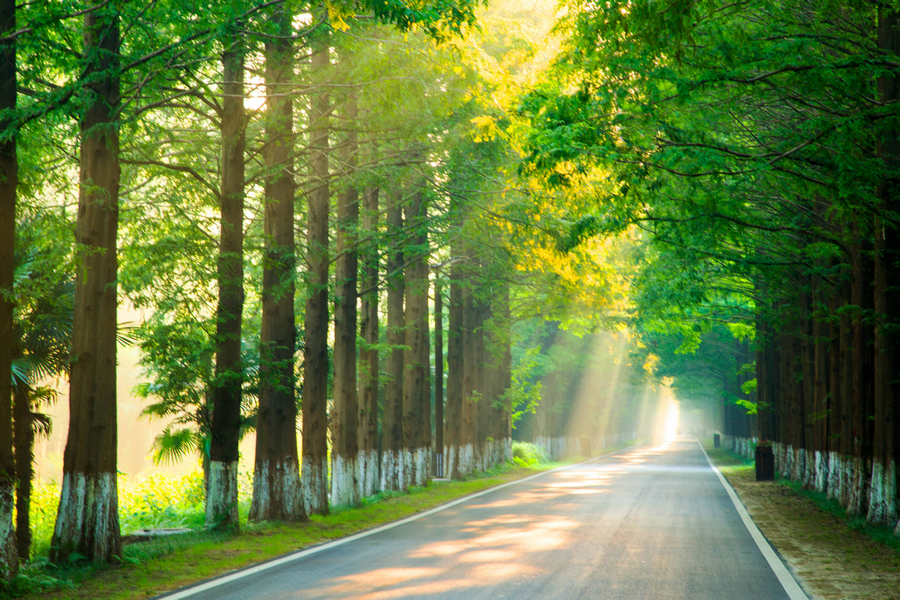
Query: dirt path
{"x": 832, "y": 560}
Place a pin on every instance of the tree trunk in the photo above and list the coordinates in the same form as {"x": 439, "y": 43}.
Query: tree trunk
{"x": 506, "y": 371}
{"x": 438, "y": 373}
{"x": 222, "y": 499}
{"x": 276, "y": 477}
{"x": 9, "y": 166}
{"x": 24, "y": 451}
{"x": 416, "y": 389}
{"x": 883, "y": 494}
{"x": 87, "y": 522}
{"x": 392, "y": 424}
{"x": 314, "y": 481}
{"x": 469, "y": 370}
{"x": 345, "y": 477}
{"x": 368, "y": 356}
{"x": 861, "y": 343}
{"x": 455, "y": 442}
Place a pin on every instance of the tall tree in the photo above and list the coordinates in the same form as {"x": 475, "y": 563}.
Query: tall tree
{"x": 314, "y": 480}
{"x": 416, "y": 371}
{"x": 455, "y": 431}
{"x": 392, "y": 423}
{"x": 224, "y": 453}
{"x": 87, "y": 522}
{"x": 345, "y": 463}
{"x": 438, "y": 374}
{"x": 9, "y": 167}
{"x": 276, "y": 479}
{"x": 368, "y": 354}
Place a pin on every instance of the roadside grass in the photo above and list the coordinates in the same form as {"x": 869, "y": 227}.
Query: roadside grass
{"x": 154, "y": 567}
{"x": 725, "y": 459}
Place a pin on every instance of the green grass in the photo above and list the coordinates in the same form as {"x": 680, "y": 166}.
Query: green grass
{"x": 725, "y": 459}
{"x": 150, "y": 568}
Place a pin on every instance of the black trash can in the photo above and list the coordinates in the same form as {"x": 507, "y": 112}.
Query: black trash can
{"x": 765, "y": 463}
{"x": 717, "y": 443}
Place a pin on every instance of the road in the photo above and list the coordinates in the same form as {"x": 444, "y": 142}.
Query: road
{"x": 644, "y": 524}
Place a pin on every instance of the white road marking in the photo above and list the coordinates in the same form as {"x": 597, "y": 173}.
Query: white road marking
{"x": 784, "y": 576}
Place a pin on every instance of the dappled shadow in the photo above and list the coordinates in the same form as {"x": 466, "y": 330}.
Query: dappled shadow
{"x": 495, "y": 539}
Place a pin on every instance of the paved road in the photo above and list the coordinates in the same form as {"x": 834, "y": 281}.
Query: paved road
{"x": 652, "y": 523}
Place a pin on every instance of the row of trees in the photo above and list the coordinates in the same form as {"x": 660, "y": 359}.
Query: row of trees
{"x": 307, "y": 212}
{"x": 756, "y": 145}
{"x": 126, "y": 94}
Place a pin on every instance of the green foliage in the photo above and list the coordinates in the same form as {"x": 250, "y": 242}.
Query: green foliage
{"x": 526, "y": 454}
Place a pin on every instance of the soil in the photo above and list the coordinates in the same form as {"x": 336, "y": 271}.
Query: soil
{"x": 831, "y": 560}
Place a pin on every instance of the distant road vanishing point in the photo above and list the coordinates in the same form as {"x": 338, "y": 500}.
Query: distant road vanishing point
{"x": 643, "y": 524}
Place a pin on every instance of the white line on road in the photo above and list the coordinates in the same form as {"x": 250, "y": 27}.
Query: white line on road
{"x": 787, "y": 580}
{"x": 214, "y": 583}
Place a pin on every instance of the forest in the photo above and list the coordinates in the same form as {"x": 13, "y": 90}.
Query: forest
{"x": 386, "y": 239}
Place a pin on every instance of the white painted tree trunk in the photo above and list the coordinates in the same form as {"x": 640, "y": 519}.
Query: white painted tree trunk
{"x": 345, "y": 479}
{"x": 422, "y": 457}
{"x": 222, "y": 496}
{"x": 88, "y": 520}
{"x": 314, "y": 486}
{"x": 283, "y": 489}
{"x": 369, "y": 472}
{"x": 391, "y": 475}
{"x": 882, "y": 494}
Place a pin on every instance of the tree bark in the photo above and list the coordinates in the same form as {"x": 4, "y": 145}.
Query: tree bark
{"x": 368, "y": 356}
{"x": 416, "y": 388}
{"x": 24, "y": 451}
{"x": 455, "y": 442}
{"x": 392, "y": 424}
{"x": 314, "y": 481}
{"x": 469, "y": 370}
{"x": 883, "y": 494}
{"x": 345, "y": 476}
{"x": 276, "y": 477}
{"x": 9, "y": 166}
{"x": 87, "y": 522}
{"x": 438, "y": 372}
{"x": 222, "y": 498}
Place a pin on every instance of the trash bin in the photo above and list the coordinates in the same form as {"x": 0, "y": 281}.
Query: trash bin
{"x": 717, "y": 443}
{"x": 765, "y": 463}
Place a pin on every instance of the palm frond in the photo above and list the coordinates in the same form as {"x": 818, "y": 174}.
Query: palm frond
{"x": 173, "y": 445}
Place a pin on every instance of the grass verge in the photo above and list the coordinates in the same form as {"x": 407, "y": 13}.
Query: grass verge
{"x": 834, "y": 557}
{"x": 155, "y": 567}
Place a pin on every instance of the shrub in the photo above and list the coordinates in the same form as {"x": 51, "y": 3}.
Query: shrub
{"x": 526, "y": 454}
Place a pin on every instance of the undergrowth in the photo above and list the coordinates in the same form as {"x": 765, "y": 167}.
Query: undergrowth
{"x": 526, "y": 454}
{"x": 157, "y": 501}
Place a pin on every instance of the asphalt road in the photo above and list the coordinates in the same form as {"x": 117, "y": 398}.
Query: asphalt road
{"x": 645, "y": 524}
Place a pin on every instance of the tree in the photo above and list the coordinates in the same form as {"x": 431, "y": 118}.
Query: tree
{"x": 8, "y": 182}
{"x": 314, "y": 479}
{"x": 415, "y": 457}
{"x": 88, "y": 519}
{"x": 392, "y": 478}
{"x": 222, "y": 495}
{"x": 345, "y": 459}
{"x": 368, "y": 354}
{"x": 276, "y": 479}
